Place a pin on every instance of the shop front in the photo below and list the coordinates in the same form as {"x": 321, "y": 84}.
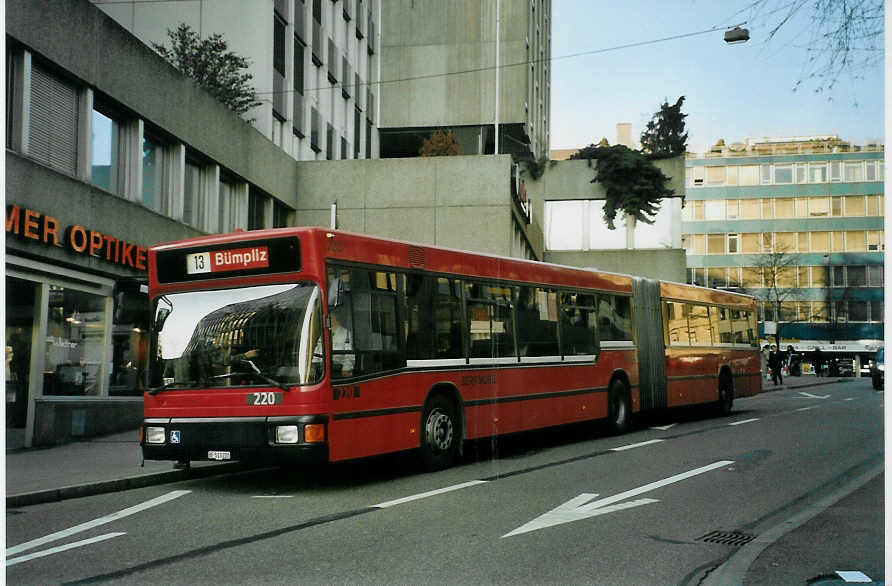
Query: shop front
{"x": 71, "y": 371}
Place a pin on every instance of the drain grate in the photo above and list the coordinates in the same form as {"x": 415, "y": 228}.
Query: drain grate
{"x": 727, "y": 538}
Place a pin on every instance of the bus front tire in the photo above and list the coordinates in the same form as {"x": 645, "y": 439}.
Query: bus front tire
{"x": 440, "y": 434}
{"x": 620, "y": 408}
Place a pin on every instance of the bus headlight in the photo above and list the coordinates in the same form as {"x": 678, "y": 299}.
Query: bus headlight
{"x": 155, "y": 435}
{"x": 286, "y": 434}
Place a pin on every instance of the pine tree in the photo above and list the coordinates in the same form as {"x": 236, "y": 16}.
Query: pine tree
{"x": 210, "y": 63}
{"x": 665, "y": 135}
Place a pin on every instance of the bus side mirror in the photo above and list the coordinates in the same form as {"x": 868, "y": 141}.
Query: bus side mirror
{"x": 131, "y": 303}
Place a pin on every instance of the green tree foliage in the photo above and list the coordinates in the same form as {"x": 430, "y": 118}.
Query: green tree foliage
{"x": 633, "y": 184}
{"x": 440, "y": 144}
{"x": 210, "y": 63}
{"x": 665, "y": 135}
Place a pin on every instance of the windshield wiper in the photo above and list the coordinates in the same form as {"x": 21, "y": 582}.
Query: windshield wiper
{"x": 256, "y": 373}
{"x": 155, "y": 390}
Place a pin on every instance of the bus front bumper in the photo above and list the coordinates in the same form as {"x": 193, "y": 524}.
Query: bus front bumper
{"x": 251, "y": 439}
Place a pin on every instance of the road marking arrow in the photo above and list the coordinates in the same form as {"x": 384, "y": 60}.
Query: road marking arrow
{"x": 664, "y": 427}
{"x": 580, "y": 508}
{"x": 810, "y": 396}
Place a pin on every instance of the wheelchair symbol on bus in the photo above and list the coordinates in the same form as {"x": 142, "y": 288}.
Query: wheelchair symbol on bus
{"x": 175, "y": 437}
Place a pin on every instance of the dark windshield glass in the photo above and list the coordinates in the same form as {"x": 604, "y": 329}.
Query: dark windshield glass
{"x": 216, "y": 338}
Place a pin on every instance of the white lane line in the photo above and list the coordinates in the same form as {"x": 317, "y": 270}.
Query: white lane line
{"x": 849, "y": 399}
{"x": 664, "y": 427}
{"x": 807, "y": 408}
{"x": 61, "y": 548}
{"x": 424, "y": 495}
{"x": 96, "y": 522}
{"x": 744, "y": 421}
{"x": 273, "y": 496}
{"x": 854, "y": 576}
{"x": 638, "y": 445}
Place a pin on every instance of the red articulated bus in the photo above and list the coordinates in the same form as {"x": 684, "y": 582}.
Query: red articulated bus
{"x": 307, "y": 342}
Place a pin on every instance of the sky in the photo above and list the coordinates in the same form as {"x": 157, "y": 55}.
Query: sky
{"x": 731, "y": 92}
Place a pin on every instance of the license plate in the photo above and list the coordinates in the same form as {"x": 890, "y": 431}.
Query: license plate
{"x": 216, "y": 455}
{"x": 264, "y": 398}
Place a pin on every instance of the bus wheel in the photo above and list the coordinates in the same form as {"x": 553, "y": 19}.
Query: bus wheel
{"x": 726, "y": 395}
{"x": 440, "y": 434}
{"x": 619, "y": 409}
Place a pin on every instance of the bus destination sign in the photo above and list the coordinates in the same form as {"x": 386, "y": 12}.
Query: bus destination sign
{"x": 256, "y": 257}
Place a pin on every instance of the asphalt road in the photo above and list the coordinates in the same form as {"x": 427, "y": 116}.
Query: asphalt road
{"x": 567, "y": 506}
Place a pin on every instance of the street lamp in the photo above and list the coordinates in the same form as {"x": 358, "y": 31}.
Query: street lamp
{"x": 737, "y": 35}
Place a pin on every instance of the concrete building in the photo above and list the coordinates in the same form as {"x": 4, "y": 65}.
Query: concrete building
{"x": 812, "y": 204}
{"x": 314, "y": 64}
{"x": 470, "y": 67}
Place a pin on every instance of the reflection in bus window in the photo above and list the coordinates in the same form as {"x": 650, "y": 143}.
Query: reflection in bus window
{"x": 698, "y": 325}
{"x": 537, "y": 322}
{"x": 490, "y": 327}
{"x": 677, "y": 324}
{"x": 447, "y": 319}
{"x": 615, "y": 318}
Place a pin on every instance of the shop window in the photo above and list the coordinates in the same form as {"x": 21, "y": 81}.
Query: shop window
{"x": 129, "y": 355}
{"x": 74, "y": 342}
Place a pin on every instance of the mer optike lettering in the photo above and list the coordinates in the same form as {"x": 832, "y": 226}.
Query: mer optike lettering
{"x": 39, "y": 227}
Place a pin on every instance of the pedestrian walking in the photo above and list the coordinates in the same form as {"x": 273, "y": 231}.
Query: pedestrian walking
{"x": 776, "y": 364}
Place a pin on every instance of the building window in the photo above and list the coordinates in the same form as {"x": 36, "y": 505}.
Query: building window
{"x": 105, "y": 143}
{"x": 715, "y": 244}
{"x": 819, "y": 207}
{"x": 875, "y": 240}
{"x": 699, "y": 174}
{"x": 54, "y": 121}
{"x": 765, "y": 173}
{"x": 817, "y": 172}
{"x": 854, "y": 172}
{"x": 750, "y": 243}
{"x": 152, "y": 172}
{"x": 857, "y": 311}
{"x": 280, "y": 215}
{"x": 856, "y": 276}
{"x": 820, "y": 241}
{"x": 802, "y": 242}
{"x": 715, "y": 175}
{"x": 801, "y": 206}
{"x": 733, "y": 241}
{"x": 256, "y": 210}
{"x": 835, "y": 171}
{"x": 836, "y": 206}
{"x": 856, "y": 241}
{"x": 732, "y": 175}
{"x": 783, "y": 207}
{"x": 714, "y": 209}
{"x": 193, "y": 206}
{"x": 298, "y": 84}
{"x": 749, "y": 175}
{"x": 854, "y": 205}
{"x": 732, "y": 209}
{"x": 785, "y": 241}
{"x": 783, "y": 174}
{"x": 871, "y": 171}
{"x": 874, "y": 205}
{"x": 750, "y": 209}
{"x": 876, "y": 311}
{"x": 801, "y": 173}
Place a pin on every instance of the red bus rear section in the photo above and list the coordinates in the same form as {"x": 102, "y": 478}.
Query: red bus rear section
{"x": 310, "y": 343}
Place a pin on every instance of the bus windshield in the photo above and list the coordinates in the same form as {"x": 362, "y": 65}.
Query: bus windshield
{"x": 263, "y": 335}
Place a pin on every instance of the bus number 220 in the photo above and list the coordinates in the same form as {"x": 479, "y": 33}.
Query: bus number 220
{"x": 264, "y": 398}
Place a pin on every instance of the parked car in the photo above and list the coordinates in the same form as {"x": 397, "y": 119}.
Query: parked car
{"x": 877, "y": 370}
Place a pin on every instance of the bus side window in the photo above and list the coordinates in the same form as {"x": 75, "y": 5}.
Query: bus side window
{"x": 698, "y": 325}
{"x": 447, "y": 319}
{"x": 419, "y": 317}
{"x": 490, "y": 323}
{"x": 537, "y": 322}
{"x": 615, "y": 318}
{"x": 677, "y": 324}
{"x": 579, "y": 325}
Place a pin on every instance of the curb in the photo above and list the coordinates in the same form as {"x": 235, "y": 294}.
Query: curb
{"x": 81, "y": 490}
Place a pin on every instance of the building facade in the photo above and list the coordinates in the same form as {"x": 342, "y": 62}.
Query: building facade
{"x": 797, "y": 222}
{"x": 101, "y": 164}
{"x": 314, "y": 64}
{"x": 470, "y": 67}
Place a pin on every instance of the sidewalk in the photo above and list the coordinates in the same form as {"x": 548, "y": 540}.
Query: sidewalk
{"x": 104, "y": 464}
{"x": 113, "y": 463}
